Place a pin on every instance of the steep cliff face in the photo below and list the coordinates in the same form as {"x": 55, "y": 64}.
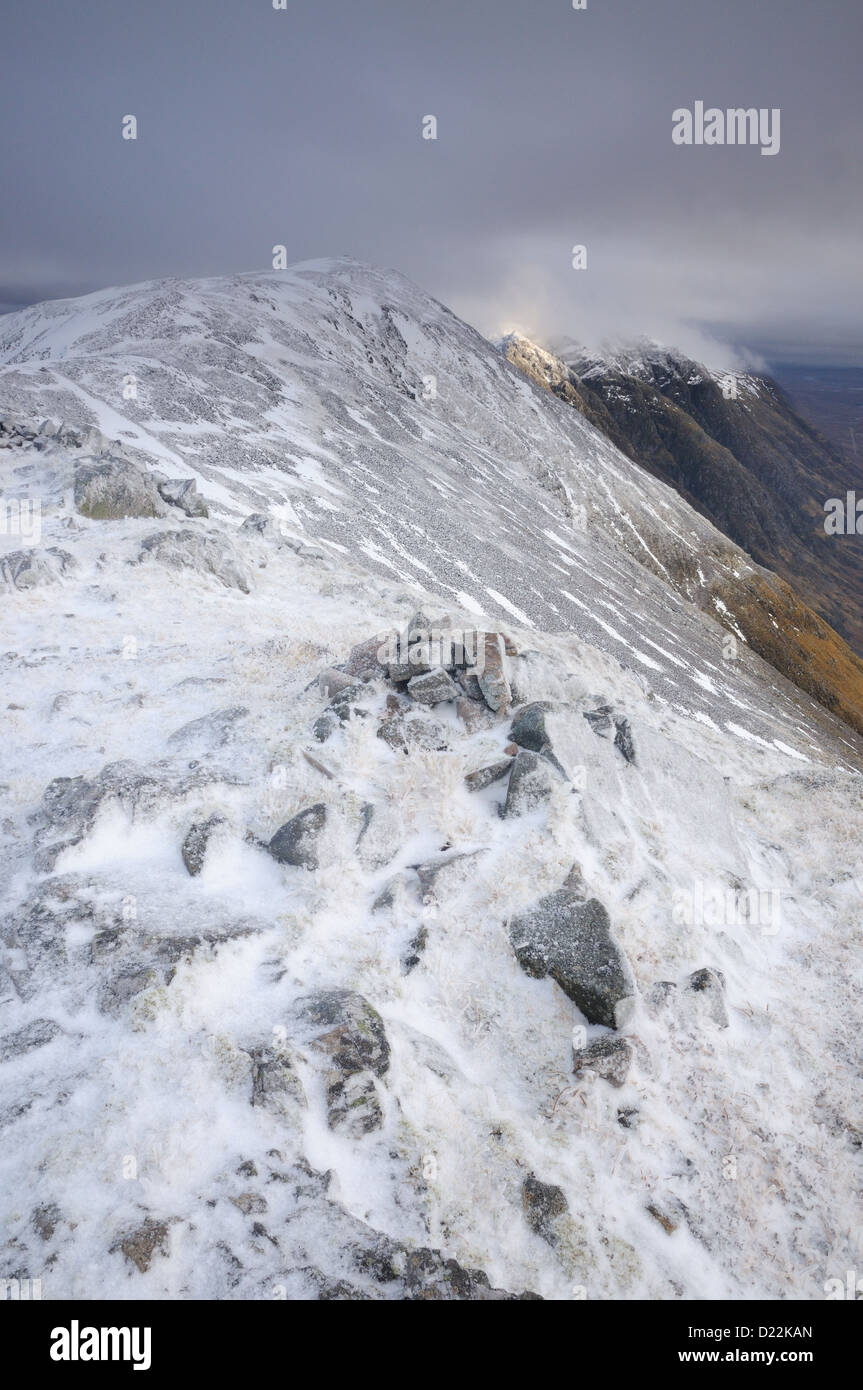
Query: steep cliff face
{"x": 731, "y": 445}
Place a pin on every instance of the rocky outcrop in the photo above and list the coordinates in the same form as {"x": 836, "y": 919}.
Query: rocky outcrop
{"x": 199, "y": 552}
{"x": 29, "y": 569}
{"x": 111, "y": 488}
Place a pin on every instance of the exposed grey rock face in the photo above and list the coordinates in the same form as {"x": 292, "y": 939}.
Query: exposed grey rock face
{"x": 297, "y": 841}
{"x": 208, "y": 554}
{"x": 332, "y": 682}
{"x": 659, "y": 996}
{"x": 195, "y": 844}
{"x": 610, "y": 1058}
{"x": 27, "y": 569}
{"x": 571, "y": 940}
{"x": 433, "y": 687}
{"x": 485, "y": 776}
{"x": 28, "y": 1038}
{"x": 393, "y": 891}
{"x": 531, "y": 782}
{"x": 543, "y": 1202}
{"x": 70, "y": 805}
{"x": 349, "y": 1035}
{"x": 183, "y": 493}
{"x": 108, "y": 489}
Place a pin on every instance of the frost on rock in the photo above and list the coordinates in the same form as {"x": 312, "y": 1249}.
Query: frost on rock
{"x": 570, "y": 939}
{"x": 207, "y": 554}
{"x": 109, "y": 488}
{"x": 28, "y": 569}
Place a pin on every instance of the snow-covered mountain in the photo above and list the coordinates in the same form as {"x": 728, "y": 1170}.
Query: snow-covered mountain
{"x": 323, "y": 978}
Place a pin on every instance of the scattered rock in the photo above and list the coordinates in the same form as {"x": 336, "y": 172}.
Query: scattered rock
{"x": 379, "y": 837}
{"x": 528, "y": 727}
{"x": 139, "y": 1246}
{"x": 623, "y": 739}
{"x": 297, "y": 842}
{"x": 599, "y": 720}
{"x": 46, "y": 1220}
{"x": 27, "y": 1039}
{"x": 194, "y": 849}
{"x": 571, "y": 940}
{"x": 350, "y": 1035}
{"x": 396, "y": 888}
{"x": 416, "y": 947}
{"x": 610, "y": 1058}
{"x": 205, "y": 553}
{"x": 183, "y": 493}
{"x": 669, "y": 1211}
{"x": 27, "y": 569}
{"x": 250, "y": 1203}
{"x": 365, "y": 660}
{"x": 659, "y": 996}
{"x": 433, "y": 687}
{"x": 275, "y": 1081}
{"x": 492, "y": 678}
{"x": 485, "y": 776}
{"x": 404, "y": 733}
{"x": 441, "y": 876}
{"x": 531, "y": 783}
{"x": 70, "y": 804}
{"x": 332, "y": 681}
{"x": 543, "y": 1204}
{"x": 213, "y": 730}
{"x": 710, "y": 986}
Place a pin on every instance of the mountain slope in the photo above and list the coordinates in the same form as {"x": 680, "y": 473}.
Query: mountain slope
{"x": 731, "y": 444}
{"x": 176, "y": 1120}
{"x": 370, "y": 420}
{"x": 354, "y": 1058}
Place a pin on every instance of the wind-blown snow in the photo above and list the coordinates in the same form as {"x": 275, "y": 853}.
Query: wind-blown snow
{"x": 756, "y": 1128}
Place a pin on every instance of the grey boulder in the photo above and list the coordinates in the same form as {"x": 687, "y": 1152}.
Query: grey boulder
{"x": 571, "y": 940}
{"x": 297, "y": 842}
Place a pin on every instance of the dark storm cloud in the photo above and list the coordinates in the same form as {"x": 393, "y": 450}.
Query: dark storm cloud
{"x": 302, "y": 127}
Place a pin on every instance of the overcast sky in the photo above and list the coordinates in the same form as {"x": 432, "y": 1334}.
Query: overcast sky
{"x": 304, "y": 127}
